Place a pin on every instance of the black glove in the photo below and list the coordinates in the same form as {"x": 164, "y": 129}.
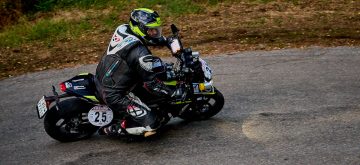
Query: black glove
{"x": 168, "y": 74}
{"x": 158, "y": 88}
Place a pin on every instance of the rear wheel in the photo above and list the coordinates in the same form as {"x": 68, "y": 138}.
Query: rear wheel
{"x": 205, "y": 107}
{"x": 70, "y": 122}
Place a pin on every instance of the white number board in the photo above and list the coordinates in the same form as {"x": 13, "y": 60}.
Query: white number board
{"x": 100, "y": 115}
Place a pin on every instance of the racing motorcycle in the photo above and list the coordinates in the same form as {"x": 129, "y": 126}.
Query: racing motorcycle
{"x": 78, "y": 112}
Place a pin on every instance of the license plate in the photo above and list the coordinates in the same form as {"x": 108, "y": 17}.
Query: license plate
{"x": 42, "y": 107}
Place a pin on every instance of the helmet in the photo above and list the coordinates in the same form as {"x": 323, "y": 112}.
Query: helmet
{"x": 146, "y": 24}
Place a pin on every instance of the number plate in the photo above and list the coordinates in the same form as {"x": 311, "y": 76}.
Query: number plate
{"x": 42, "y": 107}
{"x": 100, "y": 115}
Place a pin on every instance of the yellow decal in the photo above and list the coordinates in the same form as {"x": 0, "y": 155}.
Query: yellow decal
{"x": 93, "y": 98}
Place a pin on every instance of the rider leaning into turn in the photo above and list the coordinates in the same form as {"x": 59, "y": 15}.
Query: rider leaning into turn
{"x": 126, "y": 63}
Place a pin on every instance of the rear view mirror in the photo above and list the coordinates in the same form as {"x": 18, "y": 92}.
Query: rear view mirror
{"x": 175, "y": 46}
{"x": 174, "y": 29}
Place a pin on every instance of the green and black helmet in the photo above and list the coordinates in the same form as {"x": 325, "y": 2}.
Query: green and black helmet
{"x": 146, "y": 23}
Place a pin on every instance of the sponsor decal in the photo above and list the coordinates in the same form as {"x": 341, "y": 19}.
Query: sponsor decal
{"x": 136, "y": 111}
{"x": 68, "y": 85}
{"x": 126, "y": 41}
{"x": 206, "y": 69}
{"x": 116, "y": 38}
{"x": 114, "y": 48}
{"x": 111, "y": 48}
{"x": 79, "y": 87}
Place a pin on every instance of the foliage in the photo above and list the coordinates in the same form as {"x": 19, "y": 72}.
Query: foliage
{"x": 45, "y": 30}
{"x": 50, "y": 30}
{"x": 172, "y": 7}
{"x": 48, "y": 5}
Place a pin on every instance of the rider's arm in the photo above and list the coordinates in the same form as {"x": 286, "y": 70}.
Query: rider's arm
{"x": 147, "y": 67}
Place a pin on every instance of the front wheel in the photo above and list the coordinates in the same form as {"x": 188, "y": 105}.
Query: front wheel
{"x": 205, "y": 107}
{"x": 69, "y": 123}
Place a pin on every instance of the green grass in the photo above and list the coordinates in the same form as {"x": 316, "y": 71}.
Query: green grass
{"x": 44, "y": 30}
{"x": 172, "y": 7}
{"x": 49, "y": 30}
{"x": 49, "y": 5}
{"x": 267, "y": 1}
{"x": 109, "y": 21}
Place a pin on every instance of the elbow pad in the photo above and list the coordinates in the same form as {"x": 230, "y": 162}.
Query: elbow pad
{"x": 152, "y": 64}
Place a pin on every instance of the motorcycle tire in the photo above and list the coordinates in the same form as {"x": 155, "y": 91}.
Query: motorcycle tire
{"x": 68, "y": 124}
{"x": 214, "y": 102}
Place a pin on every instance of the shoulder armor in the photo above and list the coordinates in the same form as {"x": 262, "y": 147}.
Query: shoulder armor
{"x": 121, "y": 40}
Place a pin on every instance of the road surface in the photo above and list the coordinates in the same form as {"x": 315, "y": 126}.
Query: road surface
{"x": 296, "y": 106}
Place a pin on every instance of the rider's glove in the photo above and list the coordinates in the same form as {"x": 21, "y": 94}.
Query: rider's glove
{"x": 158, "y": 88}
{"x": 168, "y": 74}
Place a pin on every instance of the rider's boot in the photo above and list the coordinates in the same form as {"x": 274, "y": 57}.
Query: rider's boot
{"x": 114, "y": 129}
{"x": 162, "y": 121}
{"x": 133, "y": 128}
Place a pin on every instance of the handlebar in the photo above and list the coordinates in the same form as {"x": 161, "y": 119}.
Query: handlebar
{"x": 185, "y": 56}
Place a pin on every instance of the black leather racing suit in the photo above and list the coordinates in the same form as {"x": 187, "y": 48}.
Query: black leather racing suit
{"x": 127, "y": 63}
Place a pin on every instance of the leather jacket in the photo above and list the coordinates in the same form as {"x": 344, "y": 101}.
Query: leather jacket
{"x": 126, "y": 63}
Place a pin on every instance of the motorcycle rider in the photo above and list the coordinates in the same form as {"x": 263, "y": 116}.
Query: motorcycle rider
{"x": 126, "y": 63}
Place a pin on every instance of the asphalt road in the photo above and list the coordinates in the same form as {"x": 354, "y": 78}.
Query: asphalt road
{"x": 297, "y": 106}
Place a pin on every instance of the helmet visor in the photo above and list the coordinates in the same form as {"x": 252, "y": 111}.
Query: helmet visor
{"x": 154, "y": 32}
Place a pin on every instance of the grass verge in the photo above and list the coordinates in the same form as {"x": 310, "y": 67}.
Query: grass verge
{"x": 45, "y": 30}
{"x": 76, "y": 36}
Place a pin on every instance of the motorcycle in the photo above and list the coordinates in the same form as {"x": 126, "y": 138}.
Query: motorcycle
{"x": 78, "y": 112}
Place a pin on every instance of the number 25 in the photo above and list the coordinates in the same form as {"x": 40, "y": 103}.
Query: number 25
{"x": 103, "y": 116}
